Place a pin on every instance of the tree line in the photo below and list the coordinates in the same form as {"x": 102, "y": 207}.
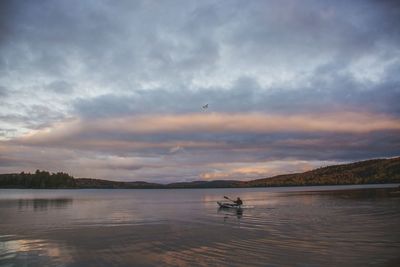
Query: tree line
{"x": 39, "y": 179}
{"x": 377, "y": 171}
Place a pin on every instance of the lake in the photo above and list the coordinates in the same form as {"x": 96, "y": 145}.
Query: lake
{"x": 290, "y": 226}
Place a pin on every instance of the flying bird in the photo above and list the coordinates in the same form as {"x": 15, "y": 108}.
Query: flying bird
{"x": 205, "y": 106}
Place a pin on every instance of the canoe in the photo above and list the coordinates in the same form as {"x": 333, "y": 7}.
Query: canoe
{"x": 229, "y": 205}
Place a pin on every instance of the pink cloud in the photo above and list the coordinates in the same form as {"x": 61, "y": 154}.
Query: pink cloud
{"x": 343, "y": 122}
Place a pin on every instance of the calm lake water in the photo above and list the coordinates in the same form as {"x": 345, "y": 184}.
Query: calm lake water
{"x": 302, "y": 226}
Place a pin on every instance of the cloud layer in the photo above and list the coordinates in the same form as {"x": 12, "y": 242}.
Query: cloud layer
{"x": 115, "y": 90}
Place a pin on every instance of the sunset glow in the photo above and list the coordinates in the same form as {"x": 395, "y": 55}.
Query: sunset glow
{"x": 118, "y": 92}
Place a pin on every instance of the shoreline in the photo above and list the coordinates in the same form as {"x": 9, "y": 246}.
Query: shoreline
{"x": 344, "y": 186}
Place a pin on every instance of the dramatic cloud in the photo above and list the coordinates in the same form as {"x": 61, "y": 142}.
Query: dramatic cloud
{"x": 212, "y": 123}
{"x": 115, "y": 90}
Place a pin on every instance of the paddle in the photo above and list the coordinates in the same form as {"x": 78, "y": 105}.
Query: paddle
{"x": 229, "y": 199}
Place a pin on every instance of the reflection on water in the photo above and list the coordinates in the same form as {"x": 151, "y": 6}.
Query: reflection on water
{"x": 15, "y": 252}
{"x": 280, "y": 227}
{"x": 44, "y": 204}
{"x": 227, "y": 212}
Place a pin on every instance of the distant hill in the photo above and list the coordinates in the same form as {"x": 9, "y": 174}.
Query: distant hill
{"x": 377, "y": 171}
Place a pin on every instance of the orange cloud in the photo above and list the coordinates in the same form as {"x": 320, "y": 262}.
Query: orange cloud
{"x": 343, "y": 122}
{"x": 247, "y": 171}
{"x": 251, "y": 122}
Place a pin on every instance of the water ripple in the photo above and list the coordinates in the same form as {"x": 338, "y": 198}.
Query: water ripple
{"x": 185, "y": 228}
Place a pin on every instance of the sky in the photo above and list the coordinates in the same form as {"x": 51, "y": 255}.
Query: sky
{"x": 114, "y": 89}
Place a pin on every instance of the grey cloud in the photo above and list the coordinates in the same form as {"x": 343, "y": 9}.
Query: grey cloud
{"x": 315, "y": 26}
{"x": 61, "y": 87}
{"x": 43, "y": 115}
{"x": 244, "y": 149}
{"x": 3, "y": 91}
{"x": 7, "y": 11}
{"x": 328, "y": 91}
{"x": 8, "y": 161}
{"x": 103, "y": 59}
{"x": 109, "y": 42}
{"x": 115, "y": 44}
{"x": 5, "y": 132}
{"x": 122, "y": 46}
{"x": 32, "y": 116}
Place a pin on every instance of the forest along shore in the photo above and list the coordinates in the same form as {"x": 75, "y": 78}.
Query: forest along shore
{"x": 376, "y": 171}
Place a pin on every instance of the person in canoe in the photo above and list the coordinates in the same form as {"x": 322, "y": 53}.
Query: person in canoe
{"x": 238, "y": 202}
